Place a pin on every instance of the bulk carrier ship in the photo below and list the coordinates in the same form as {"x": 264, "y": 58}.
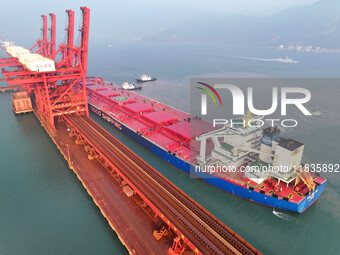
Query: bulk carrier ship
{"x": 194, "y": 145}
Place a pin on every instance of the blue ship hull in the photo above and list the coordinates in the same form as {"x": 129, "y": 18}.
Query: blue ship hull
{"x": 217, "y": 182}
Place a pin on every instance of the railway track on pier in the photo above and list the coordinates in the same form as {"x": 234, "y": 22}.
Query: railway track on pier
{"x": 205, "y": 231}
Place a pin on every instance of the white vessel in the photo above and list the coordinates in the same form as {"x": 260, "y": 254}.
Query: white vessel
{"x": 130, "y": 86}
{"x": 285, "y": 60}
{"x": 145, "y": 78}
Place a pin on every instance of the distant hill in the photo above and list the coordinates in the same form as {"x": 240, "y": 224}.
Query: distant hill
{"x": 315, "y": 25}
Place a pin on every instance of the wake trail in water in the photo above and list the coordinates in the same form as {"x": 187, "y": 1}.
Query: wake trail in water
{"x": 260, "y": 59}
{"x": 281, "y": 60}
{"x": 283, "y": 216}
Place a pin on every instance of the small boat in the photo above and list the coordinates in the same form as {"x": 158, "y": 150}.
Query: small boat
{"x": 145, "y": 78}
{"x": 130, "y": 86}
{"x": 285, "y": 60}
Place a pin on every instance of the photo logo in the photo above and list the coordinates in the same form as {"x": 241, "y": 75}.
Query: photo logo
{"x": 239, "y": 99}
{"x": 204, "y": 97}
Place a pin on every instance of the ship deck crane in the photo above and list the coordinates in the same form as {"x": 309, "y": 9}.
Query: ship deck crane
{"x": 308, "y": 181}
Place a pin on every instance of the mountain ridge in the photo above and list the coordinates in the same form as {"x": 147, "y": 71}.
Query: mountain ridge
{"x": 315, "y": 25}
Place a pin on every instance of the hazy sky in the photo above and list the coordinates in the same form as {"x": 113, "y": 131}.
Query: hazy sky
{"x": 123, "y": 19}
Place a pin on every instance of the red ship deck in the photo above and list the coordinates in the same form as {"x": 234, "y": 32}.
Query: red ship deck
{"x": 160, "y": 123}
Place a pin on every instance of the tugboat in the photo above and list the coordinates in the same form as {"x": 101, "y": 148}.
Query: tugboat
{"x": 145, "y": 78}
{"x": 130, "y": 86}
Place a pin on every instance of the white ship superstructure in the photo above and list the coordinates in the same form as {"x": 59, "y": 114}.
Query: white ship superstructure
{"x": 263, "y": 153}
{"x": 145, "y": 77}
{"x": 233, "y": 145}
{"x": 129, "y": 86}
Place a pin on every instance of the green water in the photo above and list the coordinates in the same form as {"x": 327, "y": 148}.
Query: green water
{"x": 45, "y": 210}
{"x": 43, "y": 207}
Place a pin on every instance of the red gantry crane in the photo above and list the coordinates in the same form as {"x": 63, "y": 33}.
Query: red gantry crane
{"x": 62, "y": 91}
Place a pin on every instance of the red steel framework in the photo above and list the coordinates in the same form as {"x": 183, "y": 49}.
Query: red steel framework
{"x": 47, "y": 48}
{"x": 62, "y": 91}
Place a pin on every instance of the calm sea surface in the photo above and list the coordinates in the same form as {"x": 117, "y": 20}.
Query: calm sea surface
{"x": 45, "y": 210}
